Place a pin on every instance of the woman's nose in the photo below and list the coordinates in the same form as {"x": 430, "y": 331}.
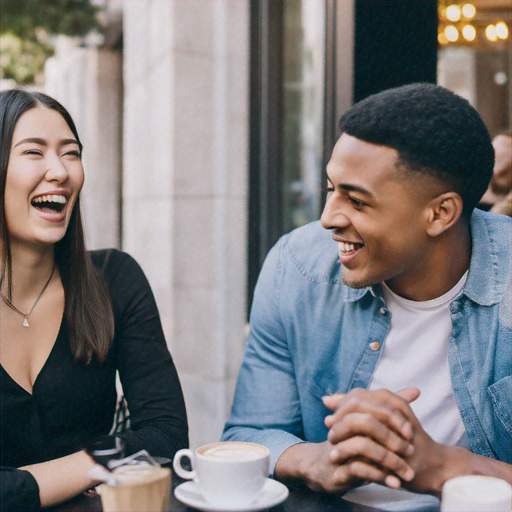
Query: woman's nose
{"x": 56, "y": 171}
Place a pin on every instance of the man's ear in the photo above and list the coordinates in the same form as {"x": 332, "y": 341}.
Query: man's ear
{"x": 443, "y": 212}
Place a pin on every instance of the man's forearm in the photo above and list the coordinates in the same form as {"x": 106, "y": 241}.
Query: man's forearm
{"x": 463, "y": 462}
{"x": 290, "y": 466}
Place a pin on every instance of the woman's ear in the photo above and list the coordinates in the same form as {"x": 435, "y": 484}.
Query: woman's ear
{"x": 443, "y": 212}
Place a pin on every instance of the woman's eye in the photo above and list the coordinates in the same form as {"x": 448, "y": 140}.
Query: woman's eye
{"x": 75, "y": 154}
{"x": 33, "y": 152}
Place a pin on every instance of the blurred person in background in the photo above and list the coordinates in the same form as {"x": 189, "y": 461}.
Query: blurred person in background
{"x": 70, "y": 320}
{"x": 498, "y": 197}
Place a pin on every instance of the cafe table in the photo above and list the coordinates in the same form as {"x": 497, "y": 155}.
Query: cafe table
{"x": 302, "y": 500}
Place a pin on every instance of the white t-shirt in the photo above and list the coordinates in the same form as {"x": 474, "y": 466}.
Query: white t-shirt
{"x": 415, "y": 353}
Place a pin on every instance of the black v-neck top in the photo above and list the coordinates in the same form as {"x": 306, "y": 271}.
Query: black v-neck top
{"x": 72, "y": 402}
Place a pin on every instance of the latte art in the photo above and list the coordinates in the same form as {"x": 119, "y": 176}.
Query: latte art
{"x": 232, "y": 452}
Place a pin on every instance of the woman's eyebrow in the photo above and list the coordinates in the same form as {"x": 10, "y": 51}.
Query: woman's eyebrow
{"x": 32, "y": 140}
{"x": 42, "y": 142}
{"x": 69, "y": 141}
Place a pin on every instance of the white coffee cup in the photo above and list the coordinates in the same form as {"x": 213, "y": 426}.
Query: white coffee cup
{"x": 228, "y": 474}
{"x": 476, "y": 493}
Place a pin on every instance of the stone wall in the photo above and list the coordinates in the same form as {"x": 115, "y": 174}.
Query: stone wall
{"x": 184, "y": 193}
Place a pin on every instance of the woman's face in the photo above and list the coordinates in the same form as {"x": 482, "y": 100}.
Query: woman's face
{"x": 44, "y": 177}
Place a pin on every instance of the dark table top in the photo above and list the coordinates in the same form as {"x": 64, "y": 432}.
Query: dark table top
{"x": 298, "y": 501}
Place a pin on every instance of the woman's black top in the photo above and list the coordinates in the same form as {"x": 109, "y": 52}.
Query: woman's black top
{"x": 72, "y": 402}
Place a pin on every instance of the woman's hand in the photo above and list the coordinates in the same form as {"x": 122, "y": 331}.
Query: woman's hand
{"x": 61, "y": 479}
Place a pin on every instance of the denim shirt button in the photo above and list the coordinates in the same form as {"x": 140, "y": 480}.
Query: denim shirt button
{"x": 375, "y": 345}
{"x": 383, "y": 311}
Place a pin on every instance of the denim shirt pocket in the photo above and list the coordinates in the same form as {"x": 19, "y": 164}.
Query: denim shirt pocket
{"x": 501, "y": 397}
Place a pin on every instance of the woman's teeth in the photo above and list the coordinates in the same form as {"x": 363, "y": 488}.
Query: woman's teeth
{"x": 50, "y": 199}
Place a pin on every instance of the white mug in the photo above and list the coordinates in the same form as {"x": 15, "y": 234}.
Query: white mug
{"x": 228, "y": 474}
{"x": 476, "y": 493}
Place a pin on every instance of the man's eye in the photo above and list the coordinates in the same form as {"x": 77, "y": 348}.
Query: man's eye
{"x": 356, "y": 202}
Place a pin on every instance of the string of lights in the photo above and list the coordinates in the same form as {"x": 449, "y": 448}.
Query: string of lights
{"x": 459, "y": 23}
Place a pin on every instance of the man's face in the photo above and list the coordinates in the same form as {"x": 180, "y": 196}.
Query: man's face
{"x": 377, "y": 215}
{"x": 501, "y": 181}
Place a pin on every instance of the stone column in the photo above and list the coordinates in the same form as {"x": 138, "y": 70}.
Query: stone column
{"x": 185, "y": 173}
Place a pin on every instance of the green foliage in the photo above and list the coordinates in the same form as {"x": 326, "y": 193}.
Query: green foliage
{"x": 24, "y": 29}
{"x": 22, "y": 60}
{"x": 22, "y": 18}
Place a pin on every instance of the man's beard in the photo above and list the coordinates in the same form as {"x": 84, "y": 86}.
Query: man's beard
{"x": 357, "y": 284}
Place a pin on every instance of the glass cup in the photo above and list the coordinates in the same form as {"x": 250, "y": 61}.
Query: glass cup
{"x": 103, "y": 449}
{"x": 138, "y": 488}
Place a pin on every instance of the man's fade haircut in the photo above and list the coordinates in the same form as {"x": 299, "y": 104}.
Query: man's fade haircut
{"x": 434, "y": 131}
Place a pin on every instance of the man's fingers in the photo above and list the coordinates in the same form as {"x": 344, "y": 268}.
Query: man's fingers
{"x": 363, "y": 447}
{"x": 391, "y": 418}
{"x": 331, "y": 401}
{"x": 409, "y": 394}
{"x": 355, "y": 424}
{"x": 364, "y": 471}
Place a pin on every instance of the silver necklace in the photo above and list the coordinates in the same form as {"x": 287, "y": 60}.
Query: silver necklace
{"x": 26, "y": 315}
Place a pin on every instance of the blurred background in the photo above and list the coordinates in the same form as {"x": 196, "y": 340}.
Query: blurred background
{"x": 207, "y": 125}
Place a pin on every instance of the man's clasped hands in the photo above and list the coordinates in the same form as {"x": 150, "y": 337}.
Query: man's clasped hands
{"x": 374, "y": 436}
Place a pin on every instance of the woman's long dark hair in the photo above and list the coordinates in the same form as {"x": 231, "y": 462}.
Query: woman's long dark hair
{"x": 88, "y": 309}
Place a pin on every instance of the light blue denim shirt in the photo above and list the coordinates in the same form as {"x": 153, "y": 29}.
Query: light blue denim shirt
{"x": 310, "y": 336}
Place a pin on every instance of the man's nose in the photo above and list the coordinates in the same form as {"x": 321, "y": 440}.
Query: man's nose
{"x": 333, "y": 216}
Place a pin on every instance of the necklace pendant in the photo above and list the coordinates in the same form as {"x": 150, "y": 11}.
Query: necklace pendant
{"x": 25, "y": 323}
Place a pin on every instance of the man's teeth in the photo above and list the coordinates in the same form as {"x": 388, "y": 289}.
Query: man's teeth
{"x": 347, "y": 247}
{"x": 51, "y": 199}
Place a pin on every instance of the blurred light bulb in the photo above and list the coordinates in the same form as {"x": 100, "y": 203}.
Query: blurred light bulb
{"x": 451, "y": 33}
{"x": 469, "y": 33}
{"x": 453, "y": 12}
{"x": 441, "y": 38}
{"x": 468, "y": 11}
{"x": 490, "y": 33}
{"x": 502, "y": 30}
{"x": 500, "y": 78}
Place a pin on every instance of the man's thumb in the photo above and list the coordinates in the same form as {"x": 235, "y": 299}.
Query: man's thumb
{"x": 409, "y": 394}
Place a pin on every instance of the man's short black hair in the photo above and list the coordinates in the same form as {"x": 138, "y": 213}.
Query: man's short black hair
{"x": 434, "y": 131}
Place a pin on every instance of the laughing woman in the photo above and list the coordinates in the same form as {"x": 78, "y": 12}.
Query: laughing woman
{"x": 70, "y": 319}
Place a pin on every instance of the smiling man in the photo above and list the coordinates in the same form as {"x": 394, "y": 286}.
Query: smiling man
{"x": 380, "y": 342}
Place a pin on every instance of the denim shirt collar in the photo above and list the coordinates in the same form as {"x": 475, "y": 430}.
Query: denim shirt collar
{"x": 482, "y": 285}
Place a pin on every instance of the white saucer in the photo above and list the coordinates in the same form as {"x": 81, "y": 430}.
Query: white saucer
{"x": 273, "y": 493}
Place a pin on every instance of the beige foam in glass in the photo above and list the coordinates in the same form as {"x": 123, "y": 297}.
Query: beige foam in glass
{"x": 140, "y": 489}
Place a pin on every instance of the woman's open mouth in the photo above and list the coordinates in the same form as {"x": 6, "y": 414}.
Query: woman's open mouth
{"x": 51, "y": 206}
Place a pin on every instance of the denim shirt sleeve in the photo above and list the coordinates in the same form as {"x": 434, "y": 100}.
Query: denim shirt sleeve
{"x": 266, "y": 407}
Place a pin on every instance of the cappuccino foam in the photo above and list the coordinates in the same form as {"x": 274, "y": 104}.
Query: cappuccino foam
{"x": 233, "y": 453}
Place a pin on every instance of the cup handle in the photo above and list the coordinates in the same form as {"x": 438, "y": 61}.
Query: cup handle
{"x": 176, "y": 464}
